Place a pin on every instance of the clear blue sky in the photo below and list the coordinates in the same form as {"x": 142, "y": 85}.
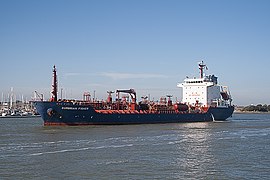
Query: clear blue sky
{"x": 148, "y": 45}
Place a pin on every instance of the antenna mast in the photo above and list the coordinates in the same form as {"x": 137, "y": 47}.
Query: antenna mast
{"x": 201, "y": 67}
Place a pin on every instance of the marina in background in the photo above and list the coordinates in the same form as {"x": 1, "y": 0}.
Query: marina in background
{"x": 11, "y": 107}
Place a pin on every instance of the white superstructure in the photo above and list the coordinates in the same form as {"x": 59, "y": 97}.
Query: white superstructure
{"x": 204, "y": 91}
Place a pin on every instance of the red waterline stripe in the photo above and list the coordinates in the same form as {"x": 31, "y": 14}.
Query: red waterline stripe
{"x": 66, "y": 124}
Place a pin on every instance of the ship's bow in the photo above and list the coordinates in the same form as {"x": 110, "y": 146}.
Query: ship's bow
{"x": 42, "y": 108}
{"x": 221, "y": 113}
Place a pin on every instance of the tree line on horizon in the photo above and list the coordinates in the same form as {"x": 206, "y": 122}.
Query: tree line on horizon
{"x": 257, "y": 108}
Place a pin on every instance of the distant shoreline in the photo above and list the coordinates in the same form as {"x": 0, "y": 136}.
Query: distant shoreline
{"x": 250, "y": 112}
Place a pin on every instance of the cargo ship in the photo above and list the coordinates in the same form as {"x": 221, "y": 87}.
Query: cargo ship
{"x": 203, "y": 100}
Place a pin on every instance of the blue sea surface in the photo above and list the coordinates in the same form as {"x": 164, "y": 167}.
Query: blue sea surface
{"x": 236, "y": 149}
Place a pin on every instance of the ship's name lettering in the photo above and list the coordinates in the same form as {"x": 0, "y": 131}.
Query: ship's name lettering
{"x": 194, "y": 94}
{"x": 75, "y": 108}
{"x": 83, "y": 108}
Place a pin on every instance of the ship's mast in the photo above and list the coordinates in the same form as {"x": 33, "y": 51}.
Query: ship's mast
{"x": 201, "y": 67}
{"x": 54, "y": 85}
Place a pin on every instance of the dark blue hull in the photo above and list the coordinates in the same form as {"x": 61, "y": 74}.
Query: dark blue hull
{"x": 66, "y": 113}
{"x": 221, "y": 113}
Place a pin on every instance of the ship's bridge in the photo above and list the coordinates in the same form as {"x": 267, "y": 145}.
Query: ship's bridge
{"x": 202, "y": 91}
